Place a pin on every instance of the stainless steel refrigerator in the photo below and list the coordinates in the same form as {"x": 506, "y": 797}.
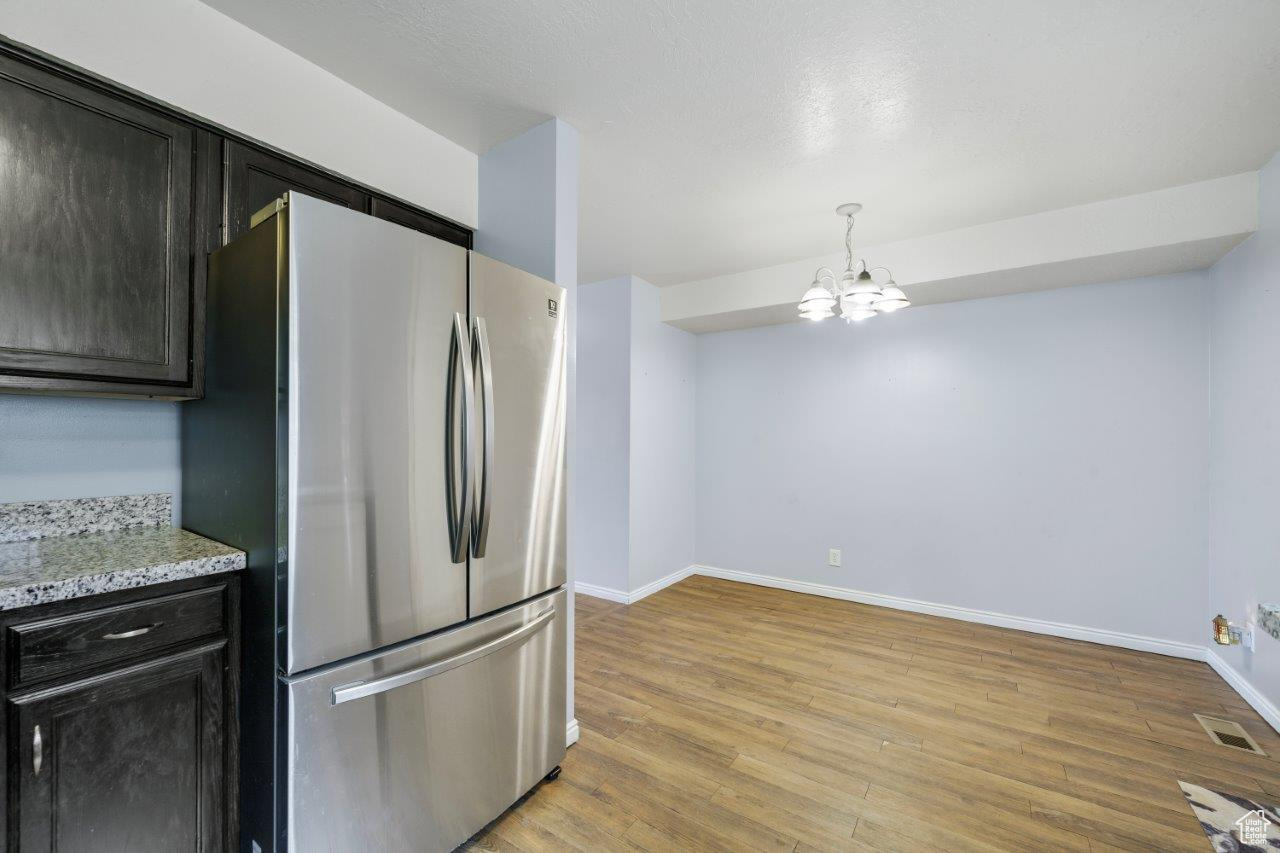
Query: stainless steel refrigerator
{"x": 383, "y": 432}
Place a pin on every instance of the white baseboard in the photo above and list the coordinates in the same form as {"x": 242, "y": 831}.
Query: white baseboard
{"x": 661, "y": 583}
{"x": 607, "y": 593}
{"x": 610, "y": 594}
{"x": 571, "y": 733}
{"x": 1265, "y": 708}
{"x": 984, "y": 617}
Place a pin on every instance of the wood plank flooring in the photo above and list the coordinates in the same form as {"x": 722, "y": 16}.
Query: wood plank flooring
{"x": 724, "y": 716}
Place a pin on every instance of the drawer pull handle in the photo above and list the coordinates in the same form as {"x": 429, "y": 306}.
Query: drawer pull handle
{"x": 361, "y": 689}
{"x": 37, "y": 751}
{"x": 132, "y": 632}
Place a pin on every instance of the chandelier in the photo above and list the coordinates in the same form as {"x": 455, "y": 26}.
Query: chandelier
{"x": 860, "y": 292}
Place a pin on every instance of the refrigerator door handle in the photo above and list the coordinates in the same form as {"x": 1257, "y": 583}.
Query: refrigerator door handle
{"x": 484, "y": 370}
{"x": 459, "y": 364}
{"x": 361, "y": 689}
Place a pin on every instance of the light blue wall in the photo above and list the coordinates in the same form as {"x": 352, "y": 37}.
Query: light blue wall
{"x": 1042, "y": 455}
{"x": 72, "y": 447}
{"x": 1245, "y": 428}
{"x": 604, "y": 433}
{"x": 528, "y": 212}
{"x": 663, "y": 370}
{"x": 636, "y": 381}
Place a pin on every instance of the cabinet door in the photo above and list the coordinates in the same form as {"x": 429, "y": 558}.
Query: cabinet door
{"x": 97, "y": 215}
{"x": 420, "y": 221}
{"x": 129, "y": 760}
{"x": 255, "y": 178}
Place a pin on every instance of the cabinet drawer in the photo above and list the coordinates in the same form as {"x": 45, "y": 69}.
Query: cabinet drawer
{"x": 74, "y": 642}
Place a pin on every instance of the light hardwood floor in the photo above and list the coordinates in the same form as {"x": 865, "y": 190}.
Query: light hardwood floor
{"x": 718, "y": 715}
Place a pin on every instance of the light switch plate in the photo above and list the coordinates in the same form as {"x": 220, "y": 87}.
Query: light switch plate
{"x": 833, "y": 557}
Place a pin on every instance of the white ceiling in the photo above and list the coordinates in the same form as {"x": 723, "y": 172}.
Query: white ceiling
{"x": 718, "y": 136}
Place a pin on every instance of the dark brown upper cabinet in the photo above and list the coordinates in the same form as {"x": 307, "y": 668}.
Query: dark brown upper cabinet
{"x": 100, "y": 211}
{"x": 109, "y": 206}
{"x": 255, "y": 178}
{"x": 409, "y": 217}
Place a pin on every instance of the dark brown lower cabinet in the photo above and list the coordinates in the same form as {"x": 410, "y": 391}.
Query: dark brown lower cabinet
{"x": 130, "y": 760}
{"x": 137, "y": 754}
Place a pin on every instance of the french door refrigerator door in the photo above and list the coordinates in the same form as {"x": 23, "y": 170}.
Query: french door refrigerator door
{"x": 379, "y": 409}
{"x": 420, "y": 747}
{"x": 519, "y": 348}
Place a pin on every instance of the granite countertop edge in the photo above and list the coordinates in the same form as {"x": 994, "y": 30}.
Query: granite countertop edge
{"x": 45, "y": 592}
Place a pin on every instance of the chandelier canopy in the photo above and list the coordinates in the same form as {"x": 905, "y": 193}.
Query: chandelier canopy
{"x": 860, "y": 292}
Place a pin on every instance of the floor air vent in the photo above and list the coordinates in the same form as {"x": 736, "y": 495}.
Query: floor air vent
{"x": 1227, "y": 733}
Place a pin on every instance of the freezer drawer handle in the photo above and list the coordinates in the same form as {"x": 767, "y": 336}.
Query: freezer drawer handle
{"x": 459, "y": 363}
{"x": 361, "y": 689}
{"x": 484, "y": 375}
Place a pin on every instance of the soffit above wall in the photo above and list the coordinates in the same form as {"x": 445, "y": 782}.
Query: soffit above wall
{"x": 1173, "y": 230}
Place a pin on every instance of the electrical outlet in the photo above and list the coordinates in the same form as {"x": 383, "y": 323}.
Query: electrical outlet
{"x": 833, "y": 557}
{"x": 1247, "y": 639}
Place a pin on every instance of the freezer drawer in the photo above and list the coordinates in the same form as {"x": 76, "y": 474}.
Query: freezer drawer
{"x": 420, "y": 747}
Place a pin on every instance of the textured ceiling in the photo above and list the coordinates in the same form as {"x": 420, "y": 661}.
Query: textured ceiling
{"x": 718, "y": 136}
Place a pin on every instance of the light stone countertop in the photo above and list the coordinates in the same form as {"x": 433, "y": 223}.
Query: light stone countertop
{"x": 27, "y": 520}
{"x": 133, "y": 545}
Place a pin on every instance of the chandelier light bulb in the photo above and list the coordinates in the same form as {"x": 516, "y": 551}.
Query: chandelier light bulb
{"x": 817, "y": 297}
{"x": 817, "y": 303}
{"x": 891, "y": 299}
{"x": 865, "y": 291}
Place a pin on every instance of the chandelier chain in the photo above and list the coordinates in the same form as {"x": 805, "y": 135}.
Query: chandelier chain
{"x": 848, "y": 245}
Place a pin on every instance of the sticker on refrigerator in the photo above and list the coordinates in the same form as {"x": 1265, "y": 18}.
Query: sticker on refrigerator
{"x": 553, "y": 309}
